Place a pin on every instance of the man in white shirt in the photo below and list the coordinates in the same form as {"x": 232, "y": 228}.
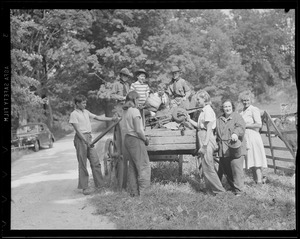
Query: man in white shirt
{"x": 80, "y": 120}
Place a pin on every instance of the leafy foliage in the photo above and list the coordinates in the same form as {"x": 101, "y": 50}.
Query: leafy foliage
{"x": 53, "y": 52}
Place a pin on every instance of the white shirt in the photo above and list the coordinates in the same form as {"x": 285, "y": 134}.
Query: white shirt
{"x": 82, "y": 118}
{"x": 251, "y": 115}
{"x": 207, "y": 115}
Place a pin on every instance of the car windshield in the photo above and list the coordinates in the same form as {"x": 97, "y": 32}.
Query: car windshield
{"x": 27, "y": 129}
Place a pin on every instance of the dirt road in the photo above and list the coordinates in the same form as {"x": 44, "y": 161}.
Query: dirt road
{"x": 44, "y": 191}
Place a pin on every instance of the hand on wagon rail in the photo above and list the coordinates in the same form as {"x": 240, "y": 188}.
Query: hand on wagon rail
{"x": 116, "y": 117}
{"x": 187, "y": 117}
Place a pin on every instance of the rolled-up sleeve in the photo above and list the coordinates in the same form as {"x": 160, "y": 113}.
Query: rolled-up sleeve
{"x": 73, "y": 119}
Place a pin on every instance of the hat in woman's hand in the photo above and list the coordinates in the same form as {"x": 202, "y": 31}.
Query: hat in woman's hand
{"x": 235, "y": 149}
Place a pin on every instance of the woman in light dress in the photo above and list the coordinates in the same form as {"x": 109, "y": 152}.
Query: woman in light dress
{"x": 256, "y": 156}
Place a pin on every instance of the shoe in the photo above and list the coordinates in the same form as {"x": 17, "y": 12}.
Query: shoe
{"x": 237, "y": 194}
{"x": 264, "y": 179}
{"x": 87, "y": 191}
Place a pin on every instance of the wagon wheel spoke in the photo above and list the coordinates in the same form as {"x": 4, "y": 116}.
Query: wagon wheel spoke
{"x": 107, "y": 156}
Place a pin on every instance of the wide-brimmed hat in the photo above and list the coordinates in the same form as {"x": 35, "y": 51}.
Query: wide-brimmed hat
{"x": 235, "y": 149}
{"x": 139, "y": 71}
{"x": 175, "y": 69}
{"x": 234, "y": 144}
{"x": 126, "y": 72}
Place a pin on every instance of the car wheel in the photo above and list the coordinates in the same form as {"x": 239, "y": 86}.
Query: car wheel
{"x": 51, "y": 143}
{"x": 36, "y": 146}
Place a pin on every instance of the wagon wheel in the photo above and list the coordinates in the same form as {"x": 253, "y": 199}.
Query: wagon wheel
{"x": 108, "y": 150}
{"x": 121, "y": 166}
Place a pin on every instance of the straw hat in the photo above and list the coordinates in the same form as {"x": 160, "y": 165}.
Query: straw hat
{"x": 139, "y": 71}
{"x": 175, "y": 69}
{"x": 126, "y": 72}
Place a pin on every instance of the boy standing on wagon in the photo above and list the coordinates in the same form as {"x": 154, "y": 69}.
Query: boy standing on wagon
{"x": 140, "y": 86}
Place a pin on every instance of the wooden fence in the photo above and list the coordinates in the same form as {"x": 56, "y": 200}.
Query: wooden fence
{"x": 267, "y": 120}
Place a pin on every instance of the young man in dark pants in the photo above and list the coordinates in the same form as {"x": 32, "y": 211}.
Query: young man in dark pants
{"x": 80, "y": 120}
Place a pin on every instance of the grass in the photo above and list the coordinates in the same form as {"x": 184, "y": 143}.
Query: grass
{"x": 179, "y": 203}
{"x": 174, "y": 202}
{"x": 17, "y": 154}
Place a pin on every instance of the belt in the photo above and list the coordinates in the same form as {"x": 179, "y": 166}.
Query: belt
{"x": 202, "y": 129}
{"x": 87, "y": 133}
{"x": 178, "y": 96}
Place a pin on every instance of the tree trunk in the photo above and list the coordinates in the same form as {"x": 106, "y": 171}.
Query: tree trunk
{"x": 47, "y": 104}
{"x": 50, "y": 114}
{"x": 22, "y": 118}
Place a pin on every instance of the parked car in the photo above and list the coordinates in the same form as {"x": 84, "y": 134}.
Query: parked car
{"x": 33, "y": 135}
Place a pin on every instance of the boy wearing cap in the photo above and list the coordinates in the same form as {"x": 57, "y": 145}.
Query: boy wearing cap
{"x": 121, "y": 86}
{"x": 178, "y": 90}
{"x": 120, "y": 89}
{"x": 140, "y": 86}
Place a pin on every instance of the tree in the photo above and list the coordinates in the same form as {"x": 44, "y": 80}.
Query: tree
{"x": 64, "y": 56}
{"x": 23, "y": 98}
{"x": 262, "y": 42}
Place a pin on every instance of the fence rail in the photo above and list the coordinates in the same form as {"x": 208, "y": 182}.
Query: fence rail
{"x": 267, "y": 120}
{"x": 281, "y": 159}
{"x": 291, "y": 170}
{"x": 285, "y": 115}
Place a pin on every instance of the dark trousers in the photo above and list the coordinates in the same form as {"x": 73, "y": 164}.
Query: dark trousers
{"x": 233, "y": 169}
{"x": 84, "y": 153}
{"x": 139, "y": 170}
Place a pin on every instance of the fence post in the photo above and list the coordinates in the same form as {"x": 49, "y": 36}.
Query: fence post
{"x": 266, "y": 119}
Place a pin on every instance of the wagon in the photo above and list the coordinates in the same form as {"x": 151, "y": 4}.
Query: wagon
{"x": 164, "y": 145}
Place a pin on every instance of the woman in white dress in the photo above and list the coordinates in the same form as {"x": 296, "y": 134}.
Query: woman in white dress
{"x": 256, "y": 156}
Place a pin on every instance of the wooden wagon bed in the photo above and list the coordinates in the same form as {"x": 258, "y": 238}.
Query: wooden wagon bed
{"x": 175, "y": 142}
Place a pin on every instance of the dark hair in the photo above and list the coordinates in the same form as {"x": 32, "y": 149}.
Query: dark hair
{"x": 79, "y": 99}
{"x": 131, "y": 100}
{"x": 227, "y": 100}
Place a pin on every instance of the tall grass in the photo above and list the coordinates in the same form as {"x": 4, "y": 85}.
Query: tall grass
{"x": 18, "y": 153}
{"x": 174, "y": 202}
